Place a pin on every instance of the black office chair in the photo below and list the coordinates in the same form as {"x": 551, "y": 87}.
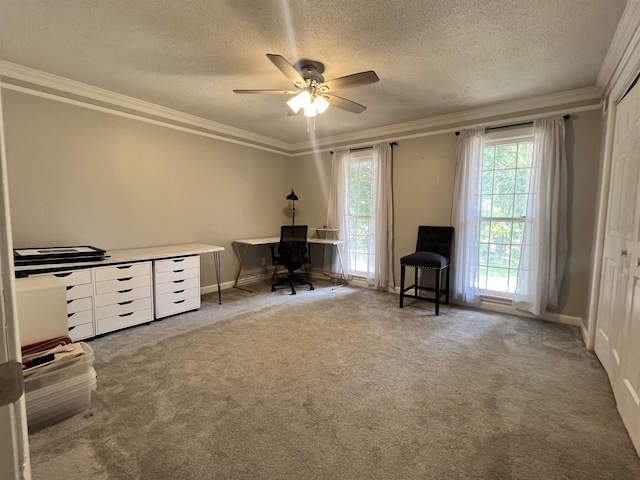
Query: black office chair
{"x": 433, "y": 252}
{"x": 293, "y": 253}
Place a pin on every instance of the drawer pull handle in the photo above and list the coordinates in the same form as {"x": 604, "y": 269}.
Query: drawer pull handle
{"x": 178, "y": 291}
{"x": 122, "y": 267}
{"x": 63, "y": 274}
{"x": 125, "y": 291}
{"x": 69, "y": 301}
{"x": 126, "y": 314}
{"x": 179, "y": 301}
{"x": 178, "y": 259}
{"x": 125, "y": 303}
{"x": 71, "y": 328}
{"x": 69, "y": 315}
{"x": 178, "y": 271}
{"x": 70, "y": 287}
{"x": 126, "y": 279}
{"x": 178, "y": 281}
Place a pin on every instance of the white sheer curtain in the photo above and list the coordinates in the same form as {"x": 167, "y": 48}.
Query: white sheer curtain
{"x": 465, "y": 217}
{"x": 338, "y": 211}
{"x": 381, "y": 276}
{"x": 544, "y": 246}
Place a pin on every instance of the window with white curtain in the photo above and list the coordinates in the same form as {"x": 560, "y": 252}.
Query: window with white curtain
{"x": 504, "y": 188}
{"x": 361, "y": 221}
{"x": 361, "y": 208}
{"x": 510, "y": 215}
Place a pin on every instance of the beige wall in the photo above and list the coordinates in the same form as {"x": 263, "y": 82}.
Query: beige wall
{"x": 83, "y": 177}
{"x": 583, "y": 135}
{"x": 423, "y": 176}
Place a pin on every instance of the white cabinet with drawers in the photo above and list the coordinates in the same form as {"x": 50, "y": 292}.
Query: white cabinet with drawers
{"x": 177, "y": 285}
{"x": 123, "y": 296}
{"x": 79, "y": 284}
{"x": 125, "y": 289}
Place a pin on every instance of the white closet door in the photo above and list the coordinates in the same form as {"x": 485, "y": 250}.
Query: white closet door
{"x": 618, "y": 333}
{"x": 613, "y": 272}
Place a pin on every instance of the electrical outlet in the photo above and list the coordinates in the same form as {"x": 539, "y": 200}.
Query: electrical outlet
{"x": 264, "y": 261}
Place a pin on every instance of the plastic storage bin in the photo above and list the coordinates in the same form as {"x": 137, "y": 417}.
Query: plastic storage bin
{"x": 59, "y": 393}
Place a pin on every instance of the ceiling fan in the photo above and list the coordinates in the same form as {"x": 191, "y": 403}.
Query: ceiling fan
{"x": 312, "y": 94}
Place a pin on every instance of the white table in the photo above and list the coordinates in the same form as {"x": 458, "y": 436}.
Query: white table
{"x": 252, "y": 242}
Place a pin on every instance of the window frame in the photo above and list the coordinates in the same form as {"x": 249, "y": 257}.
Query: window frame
{"x": 361, "y": 157}
{"x": 495, "y": 139}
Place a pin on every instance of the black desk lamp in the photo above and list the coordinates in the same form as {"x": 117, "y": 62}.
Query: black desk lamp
{"x": 293, "y": 197}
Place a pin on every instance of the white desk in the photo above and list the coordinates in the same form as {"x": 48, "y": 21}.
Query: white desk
{"x": 252, "y": 242}
{"x": 132, "y": 255}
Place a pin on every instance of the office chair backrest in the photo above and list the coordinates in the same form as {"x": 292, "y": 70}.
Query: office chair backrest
{"x": 435, "y": 239}
{"x": 293, "y": 243}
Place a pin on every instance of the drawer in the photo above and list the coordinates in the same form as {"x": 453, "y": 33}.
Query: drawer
{"x": 176, "y": 296}
{"x": 79, "y": 304}
{"x": 74, "y": 277}
{"x": 171, "y": 264}
{"x": 122, "y": 284}
{"x": 123, "y": 271}
{"x": 123, "y": 296}
{"x": 180, "y": 274}
{"x": 81, "y": 331}
{"x": 123, "y": 308}
{"x": 79, "y": 291}
{"x": 175, "y": 285}
{"x": 181, "y": 306}
{"x": 79, "y": 318}
{"x": 126, "y": 320}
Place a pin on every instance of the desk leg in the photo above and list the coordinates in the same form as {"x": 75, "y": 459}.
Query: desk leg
{"x": 344, "y": 274}
{"x": 244, "y": 256}
{"x": 216, "y": 263}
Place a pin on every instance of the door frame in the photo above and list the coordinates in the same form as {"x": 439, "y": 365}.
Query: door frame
{"x": 14, "y": 454}
{"x": 626, "y": 58}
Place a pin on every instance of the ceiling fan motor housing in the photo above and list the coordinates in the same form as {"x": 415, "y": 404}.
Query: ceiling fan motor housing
{"x": 311, "y": 71}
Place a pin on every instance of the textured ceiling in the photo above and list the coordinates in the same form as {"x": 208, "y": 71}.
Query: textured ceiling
{"x": 432, "y": 56}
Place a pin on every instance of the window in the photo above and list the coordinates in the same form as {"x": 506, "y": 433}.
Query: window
{"x": 361, "y": 226}
{"x": 504, "y": 189}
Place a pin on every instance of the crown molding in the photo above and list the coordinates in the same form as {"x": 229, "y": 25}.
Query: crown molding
{"x": 621, "y": 47}
{"x": 61, "y": 84}
{"x": 86, "y": 94}
{"x": 456, "y": 120}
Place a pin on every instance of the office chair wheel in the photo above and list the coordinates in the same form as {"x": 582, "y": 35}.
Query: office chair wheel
{"x": 273, "y": 288}
{"x": 311, "y": 288}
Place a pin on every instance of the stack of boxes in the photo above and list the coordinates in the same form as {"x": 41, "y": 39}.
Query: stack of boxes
{"x": 58, "y": 374}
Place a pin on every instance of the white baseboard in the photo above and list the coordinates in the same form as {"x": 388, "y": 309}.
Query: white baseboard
{"x": 547, "y": 316}
{"x": 246, "y": 279}
{"x": 500, "y": 307}
{"x": 362, "y": 283}
{"x": 585, "y": 336}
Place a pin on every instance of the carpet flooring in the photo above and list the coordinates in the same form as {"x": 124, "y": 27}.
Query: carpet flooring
{"x": 341, "y": 384}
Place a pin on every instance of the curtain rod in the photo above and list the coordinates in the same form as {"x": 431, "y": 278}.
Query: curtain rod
{"x": 364, "y": 148}
{"x": 566, "y": 117}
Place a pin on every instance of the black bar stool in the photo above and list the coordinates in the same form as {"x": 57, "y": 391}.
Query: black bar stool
{"x": 433, "y": 251}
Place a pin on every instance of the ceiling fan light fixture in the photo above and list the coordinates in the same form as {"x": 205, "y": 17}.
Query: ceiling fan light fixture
{"x": 320, "y": 104}
{"x": 302, "y": 100}
{"x": 310, "y": 111}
